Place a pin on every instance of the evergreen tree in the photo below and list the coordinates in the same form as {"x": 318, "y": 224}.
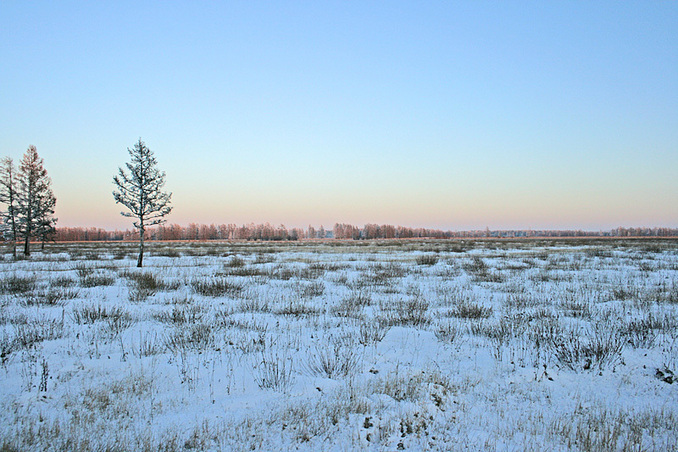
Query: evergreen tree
{"x": 35, "y": 200}
{"x": 140, "y": 190}
{"x": 8, "y": 196}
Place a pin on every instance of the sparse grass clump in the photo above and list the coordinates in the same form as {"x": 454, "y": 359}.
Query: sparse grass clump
{"x": 51, "y": 297}
{"x": 353, "y": 304}
{"x": 371, "y": 333}
{"x": 146, "y": 284}
{"x": 296, "y": 307}
{"x": 447, "y": 332}
{"x": 426, "y": 259}
{"x": 216, "y": 287}
{"x": 598, "y": 349}
{"x": 91, "y": 313}
{"x": 62, "y": 281}
{"x": 17, "y": 285}
{"x": 336, "y": 357}
{"x": 274, "y": 369}
{"x": 27, "y": 335}
{"x": 193, "y": 337}
{"x": 181, "y": 315}
{"x": 312, "y": 289}
{"x": 471, "y": 310}
{"x": 641, "y": 332}
{"x": 235, "y": 262}
{"x": 610, "y": 430}
{"x": 96, "y": 280}
{"x": 412, "y": 387}
{"x": 410, "y": 312}
{"x": 254, "y": 304}
{"x": 476, "y": 266}
{"x": 146, "y": 281}
{"x": 577, "y": 308}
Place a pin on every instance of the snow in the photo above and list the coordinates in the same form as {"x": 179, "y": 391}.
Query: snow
{"x": 341, "y": 346}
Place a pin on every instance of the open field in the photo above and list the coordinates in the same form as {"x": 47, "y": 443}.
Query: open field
{"x": 394, "y": 345}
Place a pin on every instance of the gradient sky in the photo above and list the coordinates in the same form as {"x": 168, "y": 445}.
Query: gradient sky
{"x": 457, "y": 115}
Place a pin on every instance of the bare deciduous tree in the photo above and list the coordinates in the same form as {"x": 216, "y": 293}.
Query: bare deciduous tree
{"x": 140, "y": 190}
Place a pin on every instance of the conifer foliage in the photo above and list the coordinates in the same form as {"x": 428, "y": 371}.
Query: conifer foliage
{"x": 29, "y": 199}
{"x": 140, "y": 190}
{"x": 8, "y": 196}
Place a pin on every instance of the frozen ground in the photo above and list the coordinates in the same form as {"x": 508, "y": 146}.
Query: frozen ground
{"x": 418, "y": 345}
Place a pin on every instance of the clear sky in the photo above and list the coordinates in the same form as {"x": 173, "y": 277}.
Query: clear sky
{"x": 455, "y": 115}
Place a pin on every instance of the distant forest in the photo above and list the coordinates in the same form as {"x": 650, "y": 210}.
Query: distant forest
{"x": 268, "y": 232}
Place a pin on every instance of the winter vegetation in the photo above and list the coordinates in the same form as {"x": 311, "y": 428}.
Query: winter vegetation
{"x": 139, "y": 189}
{"x": 29, "y": 201}
{"x": 544, "y": 344}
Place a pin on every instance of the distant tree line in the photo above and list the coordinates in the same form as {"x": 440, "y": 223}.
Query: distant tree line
{"x": 268, "y": 232}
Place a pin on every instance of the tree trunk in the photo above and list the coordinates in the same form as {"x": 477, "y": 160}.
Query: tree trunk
{"x": 140, "y": 261}
{"x": 27, "y": 246}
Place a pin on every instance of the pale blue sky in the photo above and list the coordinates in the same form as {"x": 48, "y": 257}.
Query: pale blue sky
{"x": 442, "y": 114}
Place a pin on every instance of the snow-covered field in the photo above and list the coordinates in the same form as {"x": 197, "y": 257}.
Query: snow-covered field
{"x": 416, "y": 345}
